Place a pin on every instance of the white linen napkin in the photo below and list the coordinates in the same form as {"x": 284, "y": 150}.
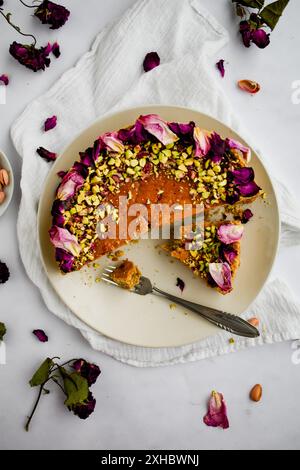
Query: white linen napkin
{"x": 110, "y": 77}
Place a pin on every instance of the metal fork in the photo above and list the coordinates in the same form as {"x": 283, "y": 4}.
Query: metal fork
{"x": 226, "y": 321}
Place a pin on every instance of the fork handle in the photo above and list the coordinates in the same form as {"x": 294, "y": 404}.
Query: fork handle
{"x": 226, "y": 321}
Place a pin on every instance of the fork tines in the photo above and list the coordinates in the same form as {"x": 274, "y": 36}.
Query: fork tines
{"x": 107, "y": 273}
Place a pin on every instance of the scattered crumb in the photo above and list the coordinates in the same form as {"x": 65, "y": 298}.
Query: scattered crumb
{"x": 98, "y": 279}
{"x": 96, "y": 265}
{"x": 231, "y": 341}
{"x": 172, "y": 306}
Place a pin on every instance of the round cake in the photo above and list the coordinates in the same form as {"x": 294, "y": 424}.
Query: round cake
{"x": 150, "y": 162}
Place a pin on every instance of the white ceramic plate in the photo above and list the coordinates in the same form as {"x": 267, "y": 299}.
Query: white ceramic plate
{"x": 5, "y": 163}
{"x": 149, "y": 321}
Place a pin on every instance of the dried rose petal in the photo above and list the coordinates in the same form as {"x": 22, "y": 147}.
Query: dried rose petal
{"x": 65, "y": 260}
{"x": 83, "y": 410}
{"x": 180, "y": 283}
{"x": 46, "y": 154}
{"x": 62, "y": 238}
{"x": 235, "y": 145}
{"x": 246, "y": 216}
{"x": 87, "y": 370}
{"x": 217, "y": 146}
{"x": 4, "y": 273}
{"x": 112, "y": 142}
{"x": 249, "y": 189}
{"x": 230, "y": 233}
{"x": 90, "y": 156}
{"x": 242, "y": 175}
{"x": 220, "y": 67}
{"x": 228, "y": 253}
{"x": 41, "y": 335}
{"x": 217, "y": 413}
{"x": 61, "y": 174}
{"x": 151, "y": 61}
{"x": 4, "y": 79}
{"x": 185, "y": 131}
{"x": 50, "y": 123}
{"x": 202, "y": 142}
{"x": 56, "y": 50}
{"x": 156, "y": 126}
{"x": 260, "y": 38}
{"x": 71, "y": 182}
{"x": 246, "y": 33}
{"x": 249, "y": 86}
{"x": 221, "y": 274}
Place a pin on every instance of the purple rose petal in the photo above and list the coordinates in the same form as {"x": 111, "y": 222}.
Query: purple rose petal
{"x": 249, "y": 189}
{"x": 230, "y": 233}
{"x": 260, "y": 38}
{"x": 242, "y": 175}
{"x": 62, "y": 238}
{"x": 220, "y": 67}
{"x": 65, "y": 260}
{"x": 151, "y": 61}
{"x": 4, "y": 79}
{"x": 217, "y": 413}
{"x": 180, "y": 283}
{"x": 56, "y": 50}
{"x": 221, "y": 274}
{"x": 246, "y": 216}
{"x": 228, "y": 253}
{"x": 50, "y": 123}
{"x": 41, "y": 335}
{"x": 46, "y": 154}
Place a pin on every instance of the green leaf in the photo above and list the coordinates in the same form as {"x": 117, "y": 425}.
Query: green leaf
{"x": 42, "y": 373}
{"x": 2, "y": 331}
{"x": 76, "y": 388}
{"x": 250, "y": 3}
{"x": 271, "y": 13}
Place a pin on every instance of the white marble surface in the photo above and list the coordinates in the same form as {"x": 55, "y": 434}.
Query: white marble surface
{"x": 152, "y": 408}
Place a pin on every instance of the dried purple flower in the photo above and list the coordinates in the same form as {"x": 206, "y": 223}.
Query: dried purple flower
{"x": 260, "y": 38}
{"x": 41, "y": 335}
{"x": 180, "y": 283}
{"x": 246, "y": 216}
{"x": 220, "y": 67}
{"x": 51, "y": 13}
{"x": 56, "y": 50}
{"x": 50, "y": 123}
{"x": 151, "y": 61}
{"x": 217, "y": 412}
{"x": 28, "y": 55}
{"x": 84, "y": 410}
{"x": 4, "y": 273}
{"x": 65, "y": 260}
{"x": 46, "y": 154}
{"x": 87, "y": 370}
{"x": 4, "y": 79}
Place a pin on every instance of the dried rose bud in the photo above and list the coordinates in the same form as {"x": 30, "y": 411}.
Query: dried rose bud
{"x": 28, "y": 55}
{"x": 51, "y": 13}
{"x": 56, "y": 50}
{"x": 87, "y": 370}
{"x": 83, "y": 410}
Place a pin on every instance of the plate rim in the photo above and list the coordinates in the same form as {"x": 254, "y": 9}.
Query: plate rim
{"x": 138, "y": 108}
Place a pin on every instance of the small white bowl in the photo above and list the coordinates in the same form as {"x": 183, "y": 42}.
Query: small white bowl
{"x": 4, "y": 163}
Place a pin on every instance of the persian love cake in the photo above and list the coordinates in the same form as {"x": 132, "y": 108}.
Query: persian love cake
{"x": 150, "y": 162}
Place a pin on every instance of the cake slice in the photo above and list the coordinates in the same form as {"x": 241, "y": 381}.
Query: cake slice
{"x": 126, "y": 275}
{"x": 217, "y": 259}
